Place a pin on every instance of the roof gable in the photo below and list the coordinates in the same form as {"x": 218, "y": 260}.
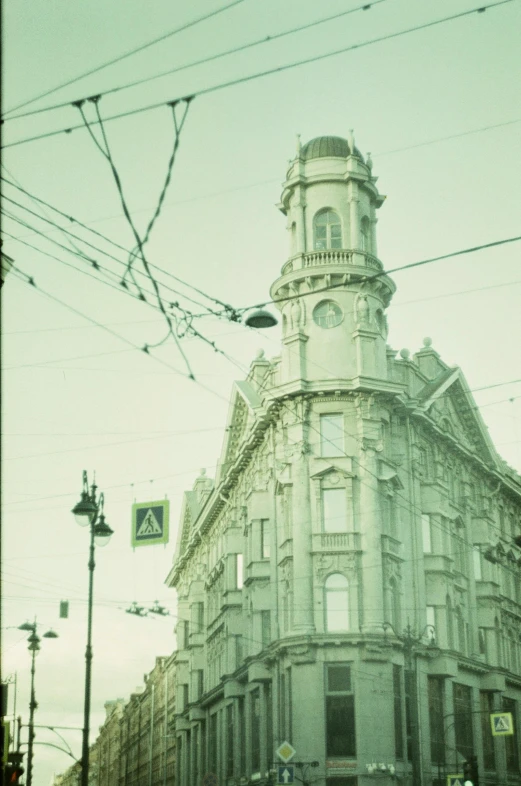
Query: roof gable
{"x": 244, "y": 406}
{"x": 448, "y": 402}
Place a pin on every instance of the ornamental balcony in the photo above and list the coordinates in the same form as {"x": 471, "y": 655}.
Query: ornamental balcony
{"x": 332, "y": 256}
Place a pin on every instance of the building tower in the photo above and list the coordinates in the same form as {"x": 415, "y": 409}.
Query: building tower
{"x": 350, "y": 581}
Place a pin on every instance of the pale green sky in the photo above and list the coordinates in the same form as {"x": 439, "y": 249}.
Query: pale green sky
{"x": 220, "y": 230}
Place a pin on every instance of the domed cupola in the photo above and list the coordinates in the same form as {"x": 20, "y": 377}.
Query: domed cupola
{"x": 330, "y": 200}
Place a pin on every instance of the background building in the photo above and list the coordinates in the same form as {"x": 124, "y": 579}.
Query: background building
{"x": 136, "y": 744}
{"x": 350, "y": 582}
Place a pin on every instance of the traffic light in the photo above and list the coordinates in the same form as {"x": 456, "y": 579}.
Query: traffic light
{"x": 13, "y": 769}
{"x": 470, "y": 771}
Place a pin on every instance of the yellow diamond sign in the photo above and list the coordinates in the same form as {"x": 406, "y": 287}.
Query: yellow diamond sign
{"x": 285, "y": 752}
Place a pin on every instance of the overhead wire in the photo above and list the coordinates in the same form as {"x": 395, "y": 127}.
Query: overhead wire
{"x": 127, "y": 54}
{"x": 267, "y": 72}
{"x": 209, "y": 58}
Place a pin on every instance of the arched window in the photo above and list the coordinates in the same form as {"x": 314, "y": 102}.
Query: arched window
{"x": 336, "y": 592}
{"x": 327, "y": 230}
{"x": 364, "y": 234}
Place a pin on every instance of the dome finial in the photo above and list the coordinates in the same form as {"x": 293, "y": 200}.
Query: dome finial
{"x": 369, "y": 162}
{"x": 351, "y": 137}
{"x": 299, "y": 145}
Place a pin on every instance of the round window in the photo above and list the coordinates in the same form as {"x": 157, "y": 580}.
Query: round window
{"x": 328, "y": 314}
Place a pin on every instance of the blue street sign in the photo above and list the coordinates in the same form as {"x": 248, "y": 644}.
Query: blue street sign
{"x": 150, "y": 523}
{"x": 285, "y": 773}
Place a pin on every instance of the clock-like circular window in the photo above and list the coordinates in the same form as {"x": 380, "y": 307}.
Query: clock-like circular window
{"x": 328, "y": 314}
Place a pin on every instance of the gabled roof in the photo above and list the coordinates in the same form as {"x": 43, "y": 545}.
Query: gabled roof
{"x": 448, "y": 402}
{"x": 244, "y": 407}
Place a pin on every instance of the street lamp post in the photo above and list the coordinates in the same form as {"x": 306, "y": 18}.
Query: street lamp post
{"x": 412, "y": 642}
{"x": 34, "y": 648}
{"x": 89, "y": 512}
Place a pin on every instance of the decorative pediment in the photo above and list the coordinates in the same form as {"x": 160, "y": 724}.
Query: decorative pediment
{"x": 330, "y": 471}
{"x": 244, "y": 409}
{"x": 449, "y": 404}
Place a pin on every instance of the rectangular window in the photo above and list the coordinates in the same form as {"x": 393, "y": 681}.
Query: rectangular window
{"x": 184, "y": 696}
{"x": 242, "y": 736}
{"x": 486, "y": 702}
{"x": 255, "y": 727}
{"x": 229, "y": 741}
{"x": 197, "y": 752}
{"x": 269, "y": 723}
{"x": 334, "y": 510}
{"x": 409, "y": 694}
{"x": 282, "y": 706}
{"x": 197, "y": 620}
{"x": 265, "y": 533}
{"x": 398, "y": 712}
{"x": 476, "y": 558}
{"x": 239, "y": 567}
{"x": 290, "y": 703}
{"x": 340, "y": 712}
{"x": 265, "y": 628}
{"x": 511, "y": 741}
{"x": 435, "y": 688}
{"x": 332, "y": 435}
{"x": 212, "y": 743}
{"x": 463, "y": 719}
{"x": 426, "y": 533}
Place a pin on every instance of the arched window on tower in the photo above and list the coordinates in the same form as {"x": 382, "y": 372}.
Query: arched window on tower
{"x": 364, "y": 234}
{"x": 327, "y": 230}
{"x": 336, "y": 593}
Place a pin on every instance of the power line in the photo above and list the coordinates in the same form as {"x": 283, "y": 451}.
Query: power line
{"x": 208, "y": 59}
{"x": 129, "y": 53}
{"x": 122, "y": 248}
{"x": 268, "y": 72}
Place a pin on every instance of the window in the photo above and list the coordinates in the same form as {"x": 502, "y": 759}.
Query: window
{"x": 334, "y": 510}
{"x": 197, "y": 610}
{"x": 282, "y": 705}
{"x": 398, "y": 712}
{"x": 239, "y": 563}
{"x": 268, "y": 696}
{"x": 265, "y": 538}
{"x": 476, "y": 559}
{"x": 426, "y": 533}
{"x": 337, "y": 603}
{"x": 332, "y": 435}
{"x": 327, "y": 314}
{"x": 229, "y": 741}
{"x": 184, "y": 695}
{"x": 394, "y": 604}
{"x": 197, "y": 684}
{"x": 212, "y": 743}
{"x": 486, "y": 702}
{"x": 450, "y": 621}
{"x": 511, "y": 741}
{"x": 265, "y": 628}
{"x": 340, "y": 712}
{"x": 327, "y": 230}
{"x": 435, "y": 688}
{"x": 463, "y": 719}
{"x": 242, "y": 734}
{"x": 255, "y": 730}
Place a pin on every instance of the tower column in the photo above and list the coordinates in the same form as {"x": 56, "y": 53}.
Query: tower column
{"x": 302, "y": 562}
{"x": 370, "y": 519}
{"x": 353, "y": 216}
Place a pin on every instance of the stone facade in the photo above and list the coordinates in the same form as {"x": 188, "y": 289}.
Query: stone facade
{"x": 136, "y": 744}
{"x": 350, "y": 581}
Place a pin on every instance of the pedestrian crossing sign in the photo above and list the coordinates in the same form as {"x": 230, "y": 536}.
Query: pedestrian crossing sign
{"x": 455, "y": 780}
{"x": 502, "y": 724}
{"x": 150, "y": 523}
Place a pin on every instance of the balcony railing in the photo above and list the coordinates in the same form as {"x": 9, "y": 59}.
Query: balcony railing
{"x": 332, "y": 256}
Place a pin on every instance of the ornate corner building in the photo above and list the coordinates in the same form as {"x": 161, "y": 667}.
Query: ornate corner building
{"x": 350, "y": 581}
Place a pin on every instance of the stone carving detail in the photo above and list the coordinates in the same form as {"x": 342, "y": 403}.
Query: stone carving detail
{"x": 296, "y": 315}
{"x": 334, "y": 563}
{"x": 392, "y": 571}
{"x": 363, "y": 310}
